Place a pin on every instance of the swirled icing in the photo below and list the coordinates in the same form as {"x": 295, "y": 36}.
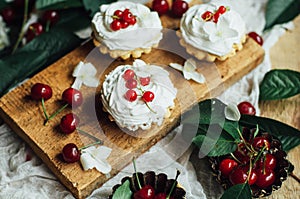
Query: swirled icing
{"x": 143, "y": 34}
{"x": 136, "y": 114}
{"x": 215, "y": 38}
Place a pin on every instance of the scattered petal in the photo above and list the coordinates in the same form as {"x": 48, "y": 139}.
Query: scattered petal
{"x": 176, "y": 66}
{"x": 85, "y": 74}
{"x": 232, "y": 112}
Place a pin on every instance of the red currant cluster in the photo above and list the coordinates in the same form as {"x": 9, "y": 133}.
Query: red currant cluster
{"x": 209, "y": 16}
{"x": 122, "y": 19}
{"x": 179, "y": 7}
{"x": 132, "y": 83}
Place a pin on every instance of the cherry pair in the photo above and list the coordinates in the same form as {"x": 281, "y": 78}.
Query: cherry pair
{"x": 179, "y": 7}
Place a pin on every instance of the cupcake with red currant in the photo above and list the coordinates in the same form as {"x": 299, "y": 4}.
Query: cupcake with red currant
{"x": 126, "y": 29}
{"x": 212, "y": 32}
{"x": 138, "y": 95}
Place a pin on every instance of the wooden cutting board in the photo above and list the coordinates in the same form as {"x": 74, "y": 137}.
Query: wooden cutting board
{"x": 26, "y": 118}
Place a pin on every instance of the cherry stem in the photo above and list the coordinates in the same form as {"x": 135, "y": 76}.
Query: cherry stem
{"x": 174, "y": 184}
{"x": 135, "y": 170}
{"x": 295, "y": 177}
{"x": 235, "y": 158}
{"x": 89, "y": 145}
{"x": 89, "y": 135}
{"x": 250, "y": 170}
{"x": 55, "y": 113}
{"x": 48, "y": 25}
{"x": 44, "y": 109}
{"x": 22, "y": 32}
{"x": 243, "y": 139}
{"x": 259, "y": 155}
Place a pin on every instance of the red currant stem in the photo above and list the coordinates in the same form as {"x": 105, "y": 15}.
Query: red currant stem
{"x": 150, "y": 108}
{"x": 22, "y": 32}
{"x": 89, "y": 135}
{"x": 135, "y": 171}
{"x": 44, "y": 109}
{"x": 235, "y": 158}
{"x": 89, "y": 145}
{"x": 295, "y": 177}
{"x": 55, "y": 113}
{"x": 174, "y": 184}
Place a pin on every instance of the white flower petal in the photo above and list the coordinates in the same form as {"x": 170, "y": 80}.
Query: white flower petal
{"x": 78, "y": 69}
{"x": 91, "y": 82}
{"x": 232, "y": 112}
{"x": 176, "y": 66}
{"x": 138, "y": 62}
{"x": 85, "y": 73}
{"x": 197, "y": 77}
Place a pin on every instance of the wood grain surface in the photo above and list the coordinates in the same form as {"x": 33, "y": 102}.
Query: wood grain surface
{"x": 26, "y": 118}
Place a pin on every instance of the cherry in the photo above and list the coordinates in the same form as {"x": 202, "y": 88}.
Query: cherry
{"x": 132, "y": 83}
{"x": 179, "y": 7}
{"x": 118, "y": 13}
{"x": 206, "y": 16}
{"x": 268, "y": 162}
{"x": 145, "y": 81}
{"x": 242, "y": 157}
{"x": 160, "y": 6}
{"x": 116, "y": 25}
{"x": 8, "y": 14}
{"x": 131, "y": 95}
{"x": 222, "y": 9}
{"x": 146, "y": 192}
{"x": 68, "y": 123}
{"x": 34, "y": 30}
{"x": 73, "y": 97}
{"x": 50, "y": 16}
{"x": 260, "y": 142}
{"x": 41, "y": 91}
{"x": 265, "y": 178}
{"x": 238, "y": 176}
{"x": 160, "y": 196}
{"x": 128, "y": 74}
{"x": 148, "y": 96}
{"x": 70, "y": 153}
{"x": 256, "y": 37}
{"x": 226, "y": 166}
{"x": 246, "y": 108}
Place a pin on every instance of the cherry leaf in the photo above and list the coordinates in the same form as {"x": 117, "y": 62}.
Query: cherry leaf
{"x": 239, "y": 191}
{"x": 123, "y": 191}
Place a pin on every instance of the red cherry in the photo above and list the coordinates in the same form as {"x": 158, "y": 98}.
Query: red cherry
{"x": 242, "y": 157}
{"x": 8, "y": 14}
{"x": 118, "y": 13}
{"x": 50, "y": 16}
{"x": 70, "y": 153}
{"x": 238, "y": 176}
{"x": 146, "y": 192}
{"x": 116, "y": 25}
{"x": 260, "y": 142}
{"x": 39, "y": 91}
{"x": 160, "y": 6}
{"x": 226, "y": 166}
{"x": 34, "y": 29}
{"x": 148, "y": 96}
{"x": 68, "y": 123}
{"x": 73, "y": 97}
{"x": 222, "y": 9}
{"x": 268, "y": 162}
{"x": 253, "y": 175}
{"x": 216, "y": 16}
{"x": 145, "y": 81}
{"x": 246, "y": 108}
{"x": 206, "y": 16}
{"x": 256, "y": 38}
{"x": 131, "y": 95}
{"x": 179, "y": 7}
{"x": 265, "y": 178}
{"x": 128, "y": 74}
{"x": 132, "y": 83}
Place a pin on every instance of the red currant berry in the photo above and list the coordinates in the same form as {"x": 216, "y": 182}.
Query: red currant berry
{"x": 124, "y": 24}
{"x": 265, "y": 178}
{"x": 226, "y": 166}
{"x": 206, "y": 16}
{"x": 39, "y": 91}
{"x": 68, "y": 123}
{"x": 268, "y": 162}
{"x": 50, "y": 16}
{"x": 131, "y": 95}
{"x": 246, "y": 108}
{"x": 148, "y": 96}
{"x": 145, "y": 81}
{"x": 179, "y": 7}
{"x": 132, "y": 83}
{"x": 128, "y": 74}
{"x": 73, "y": 97}
{"x": 256, "y": 38}
{"x": 116, "y": 25}
{"x": 127, "y": 16}
{"x": 70, "y": 153}
{"x": 216, "y": 17}
{"x": 160, "y": 6}
{"x": 132, "y": 21}
{"x": 261, "y": 142}
{"x": 222, "y": 9}
{"x": 34, "y": 30}
{"x": 118, "y": 13}
{"x": 146, "y": 192}
{"x": 8, "y": 14}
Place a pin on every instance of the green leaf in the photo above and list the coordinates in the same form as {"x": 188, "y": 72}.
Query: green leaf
{"x": 289, "y": 136}
{"x": 280, "y": 11}
{"x": 123, "y": 191}
{"x": 280, "y": 84}
{"x": 3, "y": 4}
{"x": 239, "y": 191}
{"x": 57, "y": 4}
{"x": 231, "y": 127}
{"x": 93, "y": 5}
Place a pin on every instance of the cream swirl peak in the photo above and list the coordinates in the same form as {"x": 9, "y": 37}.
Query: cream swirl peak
{"x": 145, "y": 33}
{"x": 216, "y": 37}
{"x": 138, "y": 113}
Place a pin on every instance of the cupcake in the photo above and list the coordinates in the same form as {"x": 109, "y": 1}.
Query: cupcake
{"x": 139, "y": 95}
{"x": 124, "y": 29}
{"x": 212, "y": 32}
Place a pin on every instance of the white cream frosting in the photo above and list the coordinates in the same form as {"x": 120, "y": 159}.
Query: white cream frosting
{"x": 145, "y": 33}
{"x": 136, "y": 114}
{"x": 215, "y": 38}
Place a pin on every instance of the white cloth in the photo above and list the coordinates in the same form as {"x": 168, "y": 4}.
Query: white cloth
{"x": 31, "y": 179}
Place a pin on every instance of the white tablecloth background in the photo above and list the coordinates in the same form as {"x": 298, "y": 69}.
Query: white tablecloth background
{"x": 31, "y": 179}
